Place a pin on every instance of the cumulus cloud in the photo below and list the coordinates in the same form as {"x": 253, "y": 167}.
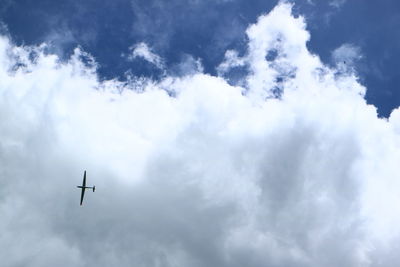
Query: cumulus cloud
{"x": 142, "y": 50}
{"x": 191, "y": 171}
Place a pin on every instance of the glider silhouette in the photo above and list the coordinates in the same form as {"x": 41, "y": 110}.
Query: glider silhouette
{"x": 83, "y": 186}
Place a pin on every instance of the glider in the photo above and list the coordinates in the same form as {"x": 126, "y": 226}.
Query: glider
{"x": 83, "y": 186}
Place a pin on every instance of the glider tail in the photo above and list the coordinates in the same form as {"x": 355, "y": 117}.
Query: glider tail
{"x": 94, "y": 188}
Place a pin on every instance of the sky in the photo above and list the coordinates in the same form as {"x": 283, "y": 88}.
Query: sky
{"x": 182, "y": 30}
{"x": 217, "y": 133}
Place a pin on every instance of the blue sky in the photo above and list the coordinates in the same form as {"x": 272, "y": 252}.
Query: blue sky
{"x": 206, "y": 29}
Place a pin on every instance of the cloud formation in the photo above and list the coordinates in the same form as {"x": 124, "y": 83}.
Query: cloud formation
{"x": 142, "y": 50}
{"x": 192, "y": 171}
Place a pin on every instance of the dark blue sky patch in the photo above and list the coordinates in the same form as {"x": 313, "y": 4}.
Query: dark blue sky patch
{"x": 375, "y": 28}
{"x": 271, "y": 55}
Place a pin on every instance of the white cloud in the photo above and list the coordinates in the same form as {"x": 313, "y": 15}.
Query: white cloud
{"x": 188, "y": 65}
{"x": 142, "y": 50}
{"x": 231, "y": 60}
{"x": 209, "y": 177}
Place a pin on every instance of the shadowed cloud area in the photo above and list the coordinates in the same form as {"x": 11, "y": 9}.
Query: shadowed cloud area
{"x": 288, "y": 167}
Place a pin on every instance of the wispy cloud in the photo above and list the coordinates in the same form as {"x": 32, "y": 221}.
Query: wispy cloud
{"x": 346, "y": 56}
{"x": 337, "y": 3}
{"x": 142, "y": 50}
{"x": 231, "y": 60}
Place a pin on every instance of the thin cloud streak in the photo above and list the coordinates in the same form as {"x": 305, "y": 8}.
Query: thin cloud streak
{"x": 142, "y": 50}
